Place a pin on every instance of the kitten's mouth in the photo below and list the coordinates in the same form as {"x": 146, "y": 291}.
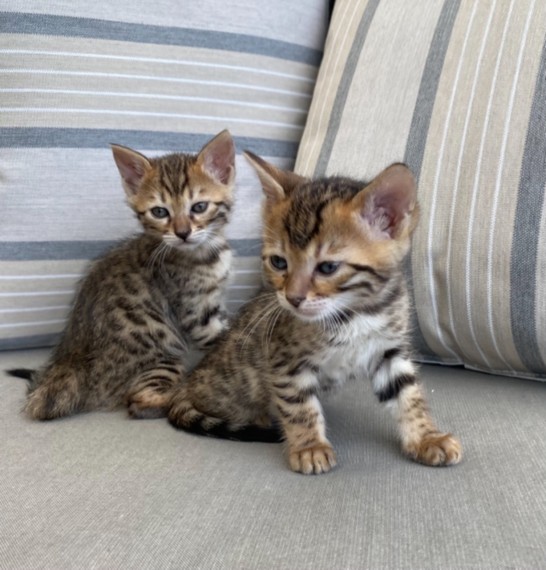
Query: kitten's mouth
{"x": 305, "y": 313}
{"x": 186, "y": 244}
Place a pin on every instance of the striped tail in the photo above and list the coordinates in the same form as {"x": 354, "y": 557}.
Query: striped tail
{"x": 184, "y": 416}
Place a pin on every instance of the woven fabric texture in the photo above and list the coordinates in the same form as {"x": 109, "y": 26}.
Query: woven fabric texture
{"x": 102, "y": 491}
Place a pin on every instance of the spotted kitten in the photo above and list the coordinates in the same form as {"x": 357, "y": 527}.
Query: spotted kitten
{"x": 124, "y": 343}
{"x": 335, "y": 308}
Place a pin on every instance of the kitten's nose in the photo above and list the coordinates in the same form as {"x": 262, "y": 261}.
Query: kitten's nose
{"x": 183, "y": 235}
{"x": 295, "y": 301}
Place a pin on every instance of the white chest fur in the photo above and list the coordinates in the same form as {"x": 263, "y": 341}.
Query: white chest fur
{"x": 222, "y": 267}
{"x": 356, "y": 351}
{"x": 219, "y": 269}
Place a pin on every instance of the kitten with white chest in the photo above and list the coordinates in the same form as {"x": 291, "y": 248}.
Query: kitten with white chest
{"x": 125, "y": 341}
{"x": 335, "y": 308}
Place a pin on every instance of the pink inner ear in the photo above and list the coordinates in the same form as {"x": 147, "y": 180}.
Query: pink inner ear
{"x": 380, "y": 218}
{"x": 132, "y": 171}
{"x": 131, "y": 166}
{"x": 388, "y": 204}
{"x": 219, "y": 166}
{"x": 219, "y": 158}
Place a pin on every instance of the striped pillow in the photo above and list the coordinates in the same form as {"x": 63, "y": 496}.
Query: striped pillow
{"x": 455, "y": 89}
{"x": 158, "y": 77}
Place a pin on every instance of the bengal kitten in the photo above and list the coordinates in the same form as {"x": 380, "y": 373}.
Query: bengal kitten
{"x": 125, "y": 339}
{"x": 335, "y": 308}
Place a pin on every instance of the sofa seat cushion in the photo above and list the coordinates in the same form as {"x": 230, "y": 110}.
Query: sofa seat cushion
{"x": 103, "y": 491}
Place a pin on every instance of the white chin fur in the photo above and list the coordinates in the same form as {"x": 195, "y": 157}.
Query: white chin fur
{"x": 191, "y": 244}
{"x": 306, "y": 313}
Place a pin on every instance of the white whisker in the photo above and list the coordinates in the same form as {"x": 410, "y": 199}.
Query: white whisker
{"x": 269, "y": 329}
{"x": 261, "y": 314}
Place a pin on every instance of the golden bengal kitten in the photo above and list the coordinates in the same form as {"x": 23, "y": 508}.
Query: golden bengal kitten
{"x": 124, "y": 342}
{"x": 335, "y": 308}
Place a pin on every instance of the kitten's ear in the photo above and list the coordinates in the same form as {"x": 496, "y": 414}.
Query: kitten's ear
{"x": 217, "y": 158}
{"x": 276, "y": 183}
{"x": 131, "y": 165}
{"x": 388, "y": 205}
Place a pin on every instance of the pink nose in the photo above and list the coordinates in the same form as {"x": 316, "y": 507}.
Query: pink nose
{"x": 295, "y": 301}
{"x": 183, "y": 235}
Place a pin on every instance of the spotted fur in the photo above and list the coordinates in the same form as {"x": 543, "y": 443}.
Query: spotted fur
{"x": 335, "y": 308}
{"x": 125, "y": 339}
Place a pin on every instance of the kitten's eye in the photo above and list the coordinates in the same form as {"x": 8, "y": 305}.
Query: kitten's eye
{"x": 278, "y": 262}
{"x": 199, "y": 207}
{"x": 158, "y": 212}
{"x": 328, "y": 267}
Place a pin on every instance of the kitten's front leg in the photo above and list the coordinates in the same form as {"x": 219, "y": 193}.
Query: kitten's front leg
{"x": 395, "y": 384}
{"x": 303, "y": 424}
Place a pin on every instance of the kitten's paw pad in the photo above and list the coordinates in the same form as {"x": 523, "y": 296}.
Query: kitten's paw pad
{"x": 317, "y": 459}
{"x": 437, "y": 450}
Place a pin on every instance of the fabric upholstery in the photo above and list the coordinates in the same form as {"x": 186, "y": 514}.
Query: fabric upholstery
{"x": 102, "y": 491}
{"x": 455, "y": 89}
{"x": 156, "y": 76}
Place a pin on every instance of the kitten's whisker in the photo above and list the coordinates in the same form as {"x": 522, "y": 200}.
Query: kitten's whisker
{"x": 262, "y": 314}
{"x": 154, "y": 257}
{"x": 255, "y": 322}
{"x": 342, "y": 326}
{"x": 163, "y": 254}
{"x": 269, "y": 329}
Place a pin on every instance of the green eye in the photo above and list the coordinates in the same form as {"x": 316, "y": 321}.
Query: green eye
{"x": 158, "y": 212}
{"x": 278, "y": 262}
{"x": 328, "y": 267}
{"x": 199, "y": 207}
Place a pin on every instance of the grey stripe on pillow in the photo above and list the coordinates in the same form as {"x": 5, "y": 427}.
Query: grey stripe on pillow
{"x": 527, "y": 232}
{"x": 428, "y": 87}
{"x": 33, "y": 137}
{"x": 47, "y": 24}
{"x": 87, "y": 249}
{"x": 420, "y": 122}
{"x": 344, "y": 86}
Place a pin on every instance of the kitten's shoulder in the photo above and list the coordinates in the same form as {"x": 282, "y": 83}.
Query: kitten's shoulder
{"x": 136, "y": 248}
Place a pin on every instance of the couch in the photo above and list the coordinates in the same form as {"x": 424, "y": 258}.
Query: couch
{"x": 454, "y": 89}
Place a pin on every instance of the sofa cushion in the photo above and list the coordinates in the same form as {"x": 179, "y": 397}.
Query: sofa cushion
{"x": 457, "y": 91}
{"x": 101, "y": 491}
{"x": 158, "y": 77}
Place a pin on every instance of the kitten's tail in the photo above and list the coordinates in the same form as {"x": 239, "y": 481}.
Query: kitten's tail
{"x": 24, "y": 373}
{"x": 183, "y": 415}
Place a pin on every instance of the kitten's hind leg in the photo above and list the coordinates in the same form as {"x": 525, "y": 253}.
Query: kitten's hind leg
{"x": 185, "y": 415}
{"x": 150, "y": 393}
{"x": 57, "y": 393}
{"x": 395, "y": 384}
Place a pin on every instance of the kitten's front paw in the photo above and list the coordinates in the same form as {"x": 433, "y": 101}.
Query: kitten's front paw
{"x": 437, "y": 449}
{"x": 317, "y": 459}
{"x": 206, "y": 336}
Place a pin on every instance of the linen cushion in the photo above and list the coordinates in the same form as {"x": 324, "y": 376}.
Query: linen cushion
{"x": 156, "y": 76}
{"x": 456, "y": 90}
